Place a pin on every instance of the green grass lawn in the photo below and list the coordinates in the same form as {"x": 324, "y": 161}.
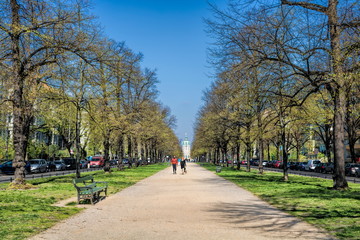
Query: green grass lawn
{"x": 24, "y": 213}
{"x": 310, "y": 199}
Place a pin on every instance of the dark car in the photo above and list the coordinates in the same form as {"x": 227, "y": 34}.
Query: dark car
{"x": 320, "y": 168}
{"x": 70, "y": 163}
{"x": 51, "y": 166}
{"x": 357, "y": 171}
{"x": 7, "y": 167}
{"x": 300, "y": 166}
{"x": 113, "y": 162}
{"x": 255, "y": 162}
{"x": 329, "y": 168}
{"x": 292, "y": 165}
{"x": 348, "y": 167}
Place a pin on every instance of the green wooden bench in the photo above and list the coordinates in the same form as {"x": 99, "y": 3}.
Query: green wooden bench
{"x": 87, "y": 188}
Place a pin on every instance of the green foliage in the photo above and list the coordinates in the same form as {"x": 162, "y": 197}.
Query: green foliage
{"x": 53, "y": 150}
{"x": 3, "y": 146}
{"x": 37, "y": 150}
{"x": 310, "y": 199}
{"x": 27, "y": 212}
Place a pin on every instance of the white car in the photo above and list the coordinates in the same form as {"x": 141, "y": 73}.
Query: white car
{"x": 311, "y": 164}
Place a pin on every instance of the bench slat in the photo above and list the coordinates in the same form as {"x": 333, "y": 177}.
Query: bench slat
{"x": 87, "y": 188}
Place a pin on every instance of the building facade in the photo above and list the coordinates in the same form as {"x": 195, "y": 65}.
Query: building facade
{"x": 186, "y": 147}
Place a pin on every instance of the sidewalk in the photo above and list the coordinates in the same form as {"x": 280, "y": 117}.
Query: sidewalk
{"x": 199, "y": 205}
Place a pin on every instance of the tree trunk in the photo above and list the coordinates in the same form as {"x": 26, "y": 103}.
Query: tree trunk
{"x": 21, "y": 112}
{"x": 261, "y": 155}
{"x": 284, "y": 154}
{"x": 238, "y": 165}
{"x": 77, "y": 139}
{"x": 260, "y": 142}
{"x": 339, "y": 97}
{"x": 339, "y": 147}
{"x": 106, "y": 144}
{"x": 129, "y": 145}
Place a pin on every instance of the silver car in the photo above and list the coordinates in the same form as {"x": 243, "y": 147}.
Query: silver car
{"x": 311, "y": 165}
{"x": 38, "y": 165}
{"x": 59, "y": 165}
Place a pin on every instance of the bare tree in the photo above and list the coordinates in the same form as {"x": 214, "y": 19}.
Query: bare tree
{"x": 313, "y": 49}
{"x": 36, "y": 34}
{"x": 337, "y": 81}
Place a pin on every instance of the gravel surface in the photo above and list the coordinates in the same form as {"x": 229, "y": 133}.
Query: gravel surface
{"x": 198, "y": 205}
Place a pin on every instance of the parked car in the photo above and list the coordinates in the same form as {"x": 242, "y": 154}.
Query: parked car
{"x": 70, "y": 163}
{"x": 125, "y": 161}
{"x": 354, "y": 170}
{"x": 38, "y": 165}
{"x": 113, "y": 162}
{"x": 264, "y": 163}
{"x": 277, "y": 164}
{"x": 271, "y": 163}
{"x": 281, "y": 166}
{"x": 300, "y": 166}
{"x": 311, "y": 165}
{"x": 97, "y": 161}
{"x": 329, "y": 168}
{"x": 254, "y": 162}
{"x": 293, "y": 165}
{"x": 51, "y": 166}
{"x": 357, "y": 171}
{"x": 243, "y": 162}
{"x": 59, "y": 165}
{"x": 7, "y": 167}
{"x": 348, "y": 167}
{"x": 320, "y": 168}
{"x": 83, "y": 164}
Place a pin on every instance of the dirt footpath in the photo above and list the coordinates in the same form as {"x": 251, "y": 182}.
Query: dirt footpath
{"x": 198, "y": 205}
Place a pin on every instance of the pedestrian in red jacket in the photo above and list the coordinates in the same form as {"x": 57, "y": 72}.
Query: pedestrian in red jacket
{"x": 174, "y": 162}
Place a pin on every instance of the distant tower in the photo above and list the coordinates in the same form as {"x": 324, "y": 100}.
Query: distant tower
{"x": 186, "y": 147}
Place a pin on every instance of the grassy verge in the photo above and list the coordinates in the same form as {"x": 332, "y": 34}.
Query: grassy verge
{"x": 307, "y": 198}
{"x": 24, "y": 213}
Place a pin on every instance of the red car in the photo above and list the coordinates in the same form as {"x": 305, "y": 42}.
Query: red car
{"x": 97, "y": 162}
{"x": 277, "y": 164}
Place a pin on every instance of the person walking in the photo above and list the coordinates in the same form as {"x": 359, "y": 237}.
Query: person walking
{"x": 183, "y": 166}
{"x": 174, "y": 162}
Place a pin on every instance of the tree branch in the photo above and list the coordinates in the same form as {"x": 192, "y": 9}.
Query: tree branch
{"x": 353, "y": 24}
{"x": 307, "y": 5}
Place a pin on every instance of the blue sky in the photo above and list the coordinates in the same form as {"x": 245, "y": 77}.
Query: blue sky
{"x": 171, "y": 35}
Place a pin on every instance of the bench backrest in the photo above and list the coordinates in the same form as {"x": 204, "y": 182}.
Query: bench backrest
{"x": 85, "y": 180}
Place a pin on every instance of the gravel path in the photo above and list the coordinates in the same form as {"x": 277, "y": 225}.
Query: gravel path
{"x": 198, "y": 205}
